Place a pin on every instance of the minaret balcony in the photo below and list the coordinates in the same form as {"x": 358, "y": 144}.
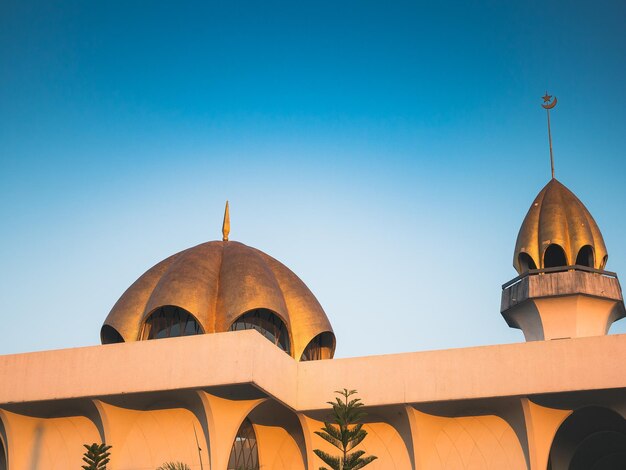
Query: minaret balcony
{"x": 562, "y": 302}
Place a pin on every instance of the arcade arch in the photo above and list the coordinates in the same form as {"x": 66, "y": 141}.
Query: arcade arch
{"x": 591, "y": 438}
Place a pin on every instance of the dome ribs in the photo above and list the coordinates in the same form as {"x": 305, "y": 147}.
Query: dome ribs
{"x": 558, "y": 217}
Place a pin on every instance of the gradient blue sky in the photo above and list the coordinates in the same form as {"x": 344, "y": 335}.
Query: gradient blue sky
{"x": 387, "y": 152}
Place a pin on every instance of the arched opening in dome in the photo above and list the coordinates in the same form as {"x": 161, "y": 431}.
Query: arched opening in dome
{"x": 320, "y": 347}
{"x": 268, "y": 324}
{"x": 591, "y": 438}
{"x": 244, "y": 453}
{"x": 109, "y": 335}
{"x": 554, "y": 257}
{"x": 605, "y": 258}
{"x": 585, "y": 256}
{"x": 170, "y": 321}
{"x": 525, "y": 262}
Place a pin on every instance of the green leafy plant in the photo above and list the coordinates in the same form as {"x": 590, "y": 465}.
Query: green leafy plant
{"x": 345, "y": 433}
{"x": 96, "y": 457}
{"x": 174, "y": 466}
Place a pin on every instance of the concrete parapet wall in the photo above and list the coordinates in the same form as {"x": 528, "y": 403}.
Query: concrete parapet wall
{"x": 489, "y": 407}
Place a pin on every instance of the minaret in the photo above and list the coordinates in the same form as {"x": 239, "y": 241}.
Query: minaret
{"x": 562, "y": 290}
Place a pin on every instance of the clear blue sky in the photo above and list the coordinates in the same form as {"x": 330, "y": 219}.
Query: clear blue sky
{"x": 387, "y": 152}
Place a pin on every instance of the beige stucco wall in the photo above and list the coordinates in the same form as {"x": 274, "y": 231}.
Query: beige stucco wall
{"x": 460, "y": 408}
{"x": 480, "y": 441}
{"x": 144, "y": 366}
{"x": 144, "y": 439}
{"x": 471, "y": 373}
{"x": 52, "y": 443}
{"x": 246, "y": 357}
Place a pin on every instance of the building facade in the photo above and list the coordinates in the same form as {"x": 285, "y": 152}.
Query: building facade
{"x": 184, "y": 375}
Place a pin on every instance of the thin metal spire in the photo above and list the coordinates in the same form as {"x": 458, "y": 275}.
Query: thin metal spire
{"x": 548, "y": 106}
{"x": 226, "y": 224}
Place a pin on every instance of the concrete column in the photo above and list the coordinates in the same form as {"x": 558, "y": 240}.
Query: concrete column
{"x": 541, "y": 425}
{"x": 224, "y": 417}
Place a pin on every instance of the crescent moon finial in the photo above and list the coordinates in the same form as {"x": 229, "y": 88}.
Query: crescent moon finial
{"x": 546, "y": 101}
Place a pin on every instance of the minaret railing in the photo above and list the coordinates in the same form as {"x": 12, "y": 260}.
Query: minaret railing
{"x": 558, "y": 269}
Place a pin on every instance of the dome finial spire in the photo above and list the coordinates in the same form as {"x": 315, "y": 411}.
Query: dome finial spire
{"x": 226, "y": 224}
{"x": 548, "y": 106}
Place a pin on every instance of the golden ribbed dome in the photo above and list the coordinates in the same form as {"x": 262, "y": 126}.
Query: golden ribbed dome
{"x": 558, "y": 231}
{"x": 217, "y": 282}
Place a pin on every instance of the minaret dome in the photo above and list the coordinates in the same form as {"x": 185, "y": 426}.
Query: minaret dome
{"x": 562, "y": 290}
{"x": 558, "y": 230}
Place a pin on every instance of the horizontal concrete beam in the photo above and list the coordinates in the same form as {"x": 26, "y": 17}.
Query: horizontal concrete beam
{"x": 521, "y": 369}
{"x": 149, "y": 366}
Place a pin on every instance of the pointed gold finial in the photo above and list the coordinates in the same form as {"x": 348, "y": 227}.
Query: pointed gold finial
{"x": 548, "y": 106}
{"x": 226, "y": 224}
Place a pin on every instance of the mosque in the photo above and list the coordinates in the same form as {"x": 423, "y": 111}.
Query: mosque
{"x": 184, "y": 375}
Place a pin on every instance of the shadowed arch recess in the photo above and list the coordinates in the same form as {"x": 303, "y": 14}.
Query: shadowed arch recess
{"x": 169, "y": 321}
{"x": 109, "y": 335}
{"x": 244, "y": 453}
{"x": 320, "y": 347}
{"x": 526, "y": 262}
{"x": 268, "y": 324}
{"x": 585, "y": 257}
{"x": 281, "y": 441}
{"x": 591, "y": 438}
{"x": 554, "y": 256}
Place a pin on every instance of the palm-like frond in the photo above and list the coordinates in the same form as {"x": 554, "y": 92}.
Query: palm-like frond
{"x": 353, "y": 458}
{"x": 331, "y": 434}
{"x": 96, "y": 457}
{"x": 363, "y": 462}
{"x": 174, "y": 466}
{"x": 328, "y": 459}
{"x": 345, "y": 433}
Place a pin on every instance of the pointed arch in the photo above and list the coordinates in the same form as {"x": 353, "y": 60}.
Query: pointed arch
{"x": 269, "y": 437}
{"x": 526, "y": 262}
{"x": 586, "y": 257}
{"x": 169, "y": 321}
{"x": 109, "y": 335}
{"x": 244, "y": 453}
{"x": 592, "y": 437}
{"x": 320, "y": 347}
{"x": 162, "y": 428}
{"x": 266, "y": 322}
{"x": 554, "y": 256}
